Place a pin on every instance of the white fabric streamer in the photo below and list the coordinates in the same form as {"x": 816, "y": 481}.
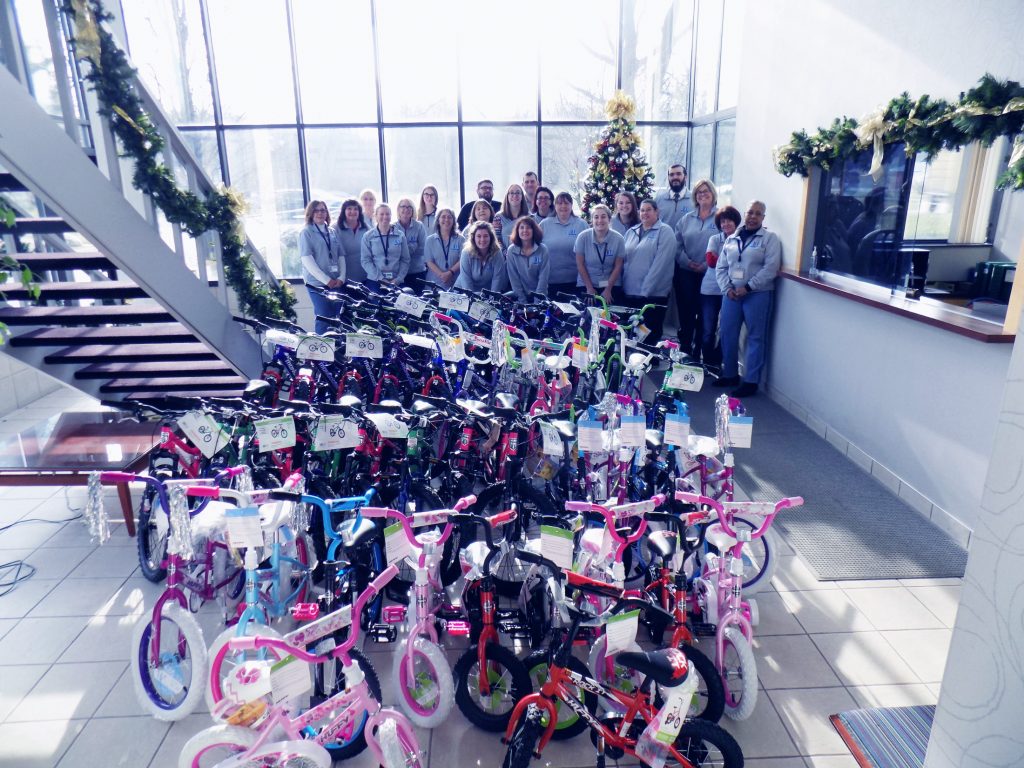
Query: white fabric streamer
{"x": 722, "y": 422}
{"x": 180, "y": 539}
{"x": 95, "y": 515}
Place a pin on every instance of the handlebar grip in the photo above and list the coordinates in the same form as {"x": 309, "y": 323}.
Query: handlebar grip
{"x": 443, "y": 317}
{"x": 669, "y": 344}
{"x": 244, "y": 643}
{"x": 608, "y": 324}
{"x": 232, "y": 471}
{"x": 578, "y": 506}
{"x": 283, "y": 495}
{"x": 203, "y": 491}
{"x": 790, "y": 502}
{"x": 375, "y": 511}
{"x": 383, "y": 578}
{"x": 117, "y": 477}
{"x": 465, "y": 502}
{"x": 502, "y": 517}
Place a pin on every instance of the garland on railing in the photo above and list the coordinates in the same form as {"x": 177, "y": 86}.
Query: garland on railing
{"x": 111, "y": 77}
{"x": 991, "y": 109}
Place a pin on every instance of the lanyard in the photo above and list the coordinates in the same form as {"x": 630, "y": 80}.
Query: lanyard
{"x": 743, "y": 246}
{"x": 445, "y": 248}
{"x": 326, "y": 235}
{"x": 600, "y": 255}
{"x": 385, "y": 243}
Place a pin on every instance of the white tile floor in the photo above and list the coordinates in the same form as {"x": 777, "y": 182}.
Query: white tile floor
{"x": 66, "y": 697}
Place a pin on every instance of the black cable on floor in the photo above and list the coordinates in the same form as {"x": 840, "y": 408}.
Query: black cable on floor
{"x": 17, "y": 571}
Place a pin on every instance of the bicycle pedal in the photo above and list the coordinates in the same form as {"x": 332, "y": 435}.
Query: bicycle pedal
{"x": 383, "y": 633}
{"x": 305, "y": 611}
{"x": 703, "y": 629}
{"x": 394, "y": 614}
{"x": 457, "y": 627}
{"x": 448, "y": 612}
{"x": 513, "y": 628}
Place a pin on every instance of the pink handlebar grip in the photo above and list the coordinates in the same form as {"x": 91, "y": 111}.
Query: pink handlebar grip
{"x": 669, "y": 344}
{"x": 244, "y": 643}
{"x": 608, "y": 324}
{"x": 443, "y": 317}
{"x": 203, "y": 491}
{"x": 234, "y": 471}
{"x": 578, "y": 506}
{"x": 789, "y": 503}
{"x": 465, "y": 502}
{"x": 511, "y": 329}
{"x": 116, "y": 477}
{"x": 377, "y": 512}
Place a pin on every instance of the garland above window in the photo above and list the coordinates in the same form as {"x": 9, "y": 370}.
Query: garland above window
{"x": 111, "y": 77}
{"x": 991, "y": 109}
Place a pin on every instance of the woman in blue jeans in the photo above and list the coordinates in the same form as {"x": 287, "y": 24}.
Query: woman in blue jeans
{"x": 746, "y": 272}
{"x": 726, "y": 221}
{"x": 323, "y": 261}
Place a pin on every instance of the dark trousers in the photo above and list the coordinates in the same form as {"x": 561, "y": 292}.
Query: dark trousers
{"x": 653, "y": 318}
{"x": 710, "y": 349}
{"x": 323, "y": 307}
{"x": 686, "y": 285}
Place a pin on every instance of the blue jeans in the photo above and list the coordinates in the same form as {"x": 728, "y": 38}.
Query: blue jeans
{"x": 324, "y": 307}
{"x": 751, "y": 310}
{"x": 710, "y": 307}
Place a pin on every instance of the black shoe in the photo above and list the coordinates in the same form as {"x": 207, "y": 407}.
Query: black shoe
{"x": 727, "y": 381}
{"x": 746, "y": 389}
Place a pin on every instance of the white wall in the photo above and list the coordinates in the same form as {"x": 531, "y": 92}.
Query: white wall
{"x": 921, "y": 401}
{"x": 20, "y": 384}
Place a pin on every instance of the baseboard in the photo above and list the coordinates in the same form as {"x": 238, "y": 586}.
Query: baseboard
{"x": 881, "y": 474}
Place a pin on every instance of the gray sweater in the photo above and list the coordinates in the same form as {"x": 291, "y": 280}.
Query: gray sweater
{"x": 528, "y": 273}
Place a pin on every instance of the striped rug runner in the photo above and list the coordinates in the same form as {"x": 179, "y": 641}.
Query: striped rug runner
{"x": 886, "y": 737}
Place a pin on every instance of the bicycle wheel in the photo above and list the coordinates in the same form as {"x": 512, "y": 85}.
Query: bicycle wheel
{"x": 508, "y": 682}
{"x": 426, "y": 697}
{"x": 214, "y": 745}
{"x": 223, "y": 661}
{"x": 704, "y": 744}
{"x": 151, "y": 537}
{"x": 295, "y": 579}
{"x": 352, "y": 743}
{"x": 398, "y": 749}
{"x": 739, "y": 675}
{"x": 568, "y": 723}
{"x": 169, "y": 682}
{"x": 619, "y": 677}
{"x": 709, "y": 700}
{"x": 524, "y": 739}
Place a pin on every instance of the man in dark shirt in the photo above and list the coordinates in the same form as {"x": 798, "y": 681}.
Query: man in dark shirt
{"x": 484, "y": 191}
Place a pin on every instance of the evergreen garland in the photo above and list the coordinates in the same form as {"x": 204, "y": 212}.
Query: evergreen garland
{"x": 618, "y": 163}
{"x": 991, "y": 109}
{"x": 111, "y": 78}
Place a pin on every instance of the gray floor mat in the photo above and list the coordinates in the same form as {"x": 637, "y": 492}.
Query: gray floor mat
{"x": 851, "y": 526}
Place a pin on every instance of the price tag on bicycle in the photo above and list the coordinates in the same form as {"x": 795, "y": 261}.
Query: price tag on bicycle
{"x": 453, "y": 300}
{"x": 275, "y": 434}
{"x": 364, "y": 345}
{"x": 689, "y": 378}
{"x": 741, "y": 430}
{"x": 552, "y": 440}
{"x": 247, "y": 682}
{"x": 451, "y": 347}
{"x": 620, "y": 632}
{"x": 315, "y": 348}
{"x": 579, "y": 356}
{"x": 631, "y": 431}
{"x": 396, "y": 543}
{"x": 556, "y": 545}
{"x": 415, "y": 340}
{"x": 389, "y": 426}
{"x": 410, "y": 305}
{"x": 203, "y": 432}
{"x": 244, "y": 529}
{"x": 282, "y": 338}
{"x": 677, "y": 429}
{"x": 590, "y": 436}
{"x": 334, "y": 432}
{"x": 529, "y": 361}
{"x": 482, "y": 311}
{"x": 289, "y": 679}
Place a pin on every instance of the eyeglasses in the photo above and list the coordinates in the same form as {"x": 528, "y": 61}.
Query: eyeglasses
{"x": 430, "y": 194}
{"x": 319, "y": 210}
{"x": 515, "y": 193}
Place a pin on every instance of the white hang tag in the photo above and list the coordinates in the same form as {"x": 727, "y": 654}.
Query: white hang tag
{"x": 673, "y": 712}
{"x": 275, "y": 434}
{"x": 453, "y": 300}
{"x": 289, "y": 679}
{"x": 247, "y": 682}
{"x": 482, "y": 311}
{"x": 552, "y": 440}
{"x": 620, "y": 632}
{"x": 594, "y": 344}
{"x": 579, "y": 356}
{"x": 389, "y": 425}
{"x": 631, "y": 431}
{"x": 334, "y": 432}
{"x": 315, "y": 348}
{"x": 282, "y": 338}
{"x": 411, "y": 305}
{"x": 203, "y": 432}
{"x": 564, "y": 308}
{"x": 642, "y": 332}
{"x": 529, "y": 361}
{"x": 556, "y": 544}
{"x": 677, "y": 429}
{"x": 167, "y": 680}
{"x": 396, "y": 543}
{"x": 244, "y": 529}
{"x": 741, "y": 430}
{"x": 415, "y": 340}
{"x": 689, "y": 378}
{"x": 590, "y": 436}
{"x": 363, "y": 345}
{"x": 451, "y": 347}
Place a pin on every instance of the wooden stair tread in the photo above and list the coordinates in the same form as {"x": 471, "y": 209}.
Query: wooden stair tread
{"x": 166, "y": 384}
{"x": 37, "y": 225}
{"x": 152, "y": 333}
{"x": 162, "y": 368}
{"x": 128, "y": 353}
{"x": 85, "y": 260}
{"x": 125, "y": 313}
{"x": 96, "y": 289}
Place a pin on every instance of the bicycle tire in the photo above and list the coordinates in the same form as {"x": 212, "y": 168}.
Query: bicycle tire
{"x": 430, "y": 707}
{"x": 568, "y": 724}
{"x": 221, "y": 664}
{"x": 212, "y": 743}
{"x": 524, "y": 739}
{"x": 740, "y": 699}
{"x": 395, "y": 747}
{"x": 508, "y": 677}
{"x": 180, "y": 669}
{"x": 150, "y": 541}
{"x": 710, "y": 690}
{"x": 696, "y": 742}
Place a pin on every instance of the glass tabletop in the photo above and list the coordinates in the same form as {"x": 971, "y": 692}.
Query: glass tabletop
{"x": 79, "y": 441}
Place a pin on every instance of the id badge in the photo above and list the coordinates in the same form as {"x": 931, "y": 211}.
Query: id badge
{"x": 387, "y": 275}
{"x": 335, "y": 269}
{"x": 602, "y": 283}
{"x": 737, "y": 273}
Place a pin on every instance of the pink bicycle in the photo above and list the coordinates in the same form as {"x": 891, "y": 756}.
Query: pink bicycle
{"x": 261, "y": 729}
{"x": 718, "y": 593}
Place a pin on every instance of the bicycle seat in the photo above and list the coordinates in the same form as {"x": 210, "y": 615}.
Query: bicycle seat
{"x": 654, "y": 438}
{"x": 338, "y": 409}
{"x": 701, "y": 445}
{"x": 256, "y": 390}
{"x": 662, "y": 544}
{"x": 422, "y": 407}
{"x": 387, "y": 406}
{"x": 506, "y": 400}
{"x": 275, "y": 514}
{"x": 506, "y": 414}
{"x": 636, "y": 359}
{"x": 353, "y": 536}
{"x": 475, "y": 408}
{"x": 557, "y": 362}
{"x": 718, "y": 538}
{"x": 350, "y": 401}
{"x": 565, "y": 428}
{"x": 667, "y": 666}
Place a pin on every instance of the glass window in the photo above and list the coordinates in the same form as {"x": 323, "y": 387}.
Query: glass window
{"x": 664, "y": 147}
{"x": 264, "y": 165}
{"x": 335, "y": 90}
{"x": 657, "y": 36}
{"x": 932, "y": 196}
{"x": 38, "y": 58}
{"x": 500, "y": 154}
{"x": 499, "y": 71}
{"x": 169, "y": 50}
{"x": 700, "y": 153}
{"x": 564, "y": 153}
{"x": 419, "y": 156}
{"x": 204, "y": 147}
{"x": 418, "y": 58}
{"x": 729, "y": 74}
{"x": 254, "y": 66}
{"x": 709, "y": 36}
{"x": 579, "y": 45}
{"x": 341, "y": 162}
{"x": 723, "y": 160}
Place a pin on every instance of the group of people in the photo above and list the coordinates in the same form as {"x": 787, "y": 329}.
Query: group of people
{"x": 720, "y": 265}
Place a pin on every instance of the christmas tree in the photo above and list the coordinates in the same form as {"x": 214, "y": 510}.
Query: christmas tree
{"x": 618, "y": 163}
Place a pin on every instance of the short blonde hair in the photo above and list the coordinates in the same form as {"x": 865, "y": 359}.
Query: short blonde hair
{"x": 704, "y": 183}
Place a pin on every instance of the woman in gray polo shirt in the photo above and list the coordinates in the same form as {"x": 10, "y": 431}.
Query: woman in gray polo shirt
{"x": 323, "y": 260}
{"x": 600, "y": 252}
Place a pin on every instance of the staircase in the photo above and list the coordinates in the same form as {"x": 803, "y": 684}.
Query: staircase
{"x": 127, "y": 308}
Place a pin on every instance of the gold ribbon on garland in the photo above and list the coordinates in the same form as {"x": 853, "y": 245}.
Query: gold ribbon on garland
{"x": 87, "y": 34}
{"x": 871, "y": 130}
